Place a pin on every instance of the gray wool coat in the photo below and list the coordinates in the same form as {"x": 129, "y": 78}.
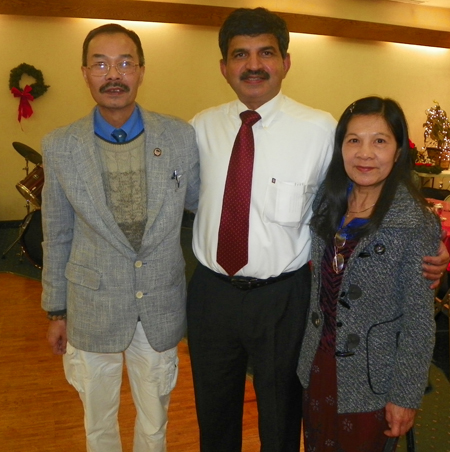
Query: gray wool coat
{"x": 90, "y": 268}
{"x": 384, "y": 312}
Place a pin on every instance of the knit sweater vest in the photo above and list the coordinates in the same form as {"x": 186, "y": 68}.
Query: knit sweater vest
{"x": 125, "y": 185}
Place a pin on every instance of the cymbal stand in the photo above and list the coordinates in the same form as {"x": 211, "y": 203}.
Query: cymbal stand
{"x": 23, "y": 225}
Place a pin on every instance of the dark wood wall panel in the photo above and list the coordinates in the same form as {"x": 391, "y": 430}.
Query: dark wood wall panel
{"x": 214, "y": 16}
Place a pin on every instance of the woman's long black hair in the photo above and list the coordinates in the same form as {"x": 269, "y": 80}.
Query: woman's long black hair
{"x": 333, "y": 205}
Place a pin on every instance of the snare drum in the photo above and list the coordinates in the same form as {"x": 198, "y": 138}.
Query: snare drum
{"x": 31, "y": 239}
{"x": 31, "y": 187}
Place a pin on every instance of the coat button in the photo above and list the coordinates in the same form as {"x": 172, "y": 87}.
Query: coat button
{"x": 339, "y": 324}
{"x": 379, "y": 248}
{"x": 139, "y": 294}
{"x": 138, "y": 264}
{"x": 354, "y": 292}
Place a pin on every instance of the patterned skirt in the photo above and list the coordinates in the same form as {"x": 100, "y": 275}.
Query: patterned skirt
{"x": 327, "y": 431}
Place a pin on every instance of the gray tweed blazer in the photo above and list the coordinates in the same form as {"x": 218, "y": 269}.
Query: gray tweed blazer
{"x": 90, "y": 268}
{"x": 384, "y": 313}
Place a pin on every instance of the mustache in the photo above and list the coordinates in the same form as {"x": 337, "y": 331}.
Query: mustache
{"x": 260, "y": 73}
{"x": 109, "y": 85}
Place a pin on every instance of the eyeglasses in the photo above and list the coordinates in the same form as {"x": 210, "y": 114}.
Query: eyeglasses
{"x": 339, "y": 242}
{"x": 123, "y": 68}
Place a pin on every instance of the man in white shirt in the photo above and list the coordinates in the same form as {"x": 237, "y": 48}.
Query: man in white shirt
{"x": 255, "y": 315}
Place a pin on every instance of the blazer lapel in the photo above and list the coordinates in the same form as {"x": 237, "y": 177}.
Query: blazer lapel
{"x": 89, "y": 168}
{"x": 158, "y": 159}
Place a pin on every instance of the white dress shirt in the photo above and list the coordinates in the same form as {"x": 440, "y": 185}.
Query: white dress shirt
{"x": 293, "y": 147}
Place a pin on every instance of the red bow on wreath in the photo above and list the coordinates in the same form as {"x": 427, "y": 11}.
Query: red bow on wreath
{"x": 25, "y": 110}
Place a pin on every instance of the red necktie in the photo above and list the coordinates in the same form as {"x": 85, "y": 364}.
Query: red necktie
{"x": 232, "y": 248}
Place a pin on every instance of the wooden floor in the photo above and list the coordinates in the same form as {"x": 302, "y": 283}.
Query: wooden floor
{"x": 39, "y": 411}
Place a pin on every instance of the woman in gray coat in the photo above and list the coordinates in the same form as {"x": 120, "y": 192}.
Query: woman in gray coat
{"x": 370, "y": 331}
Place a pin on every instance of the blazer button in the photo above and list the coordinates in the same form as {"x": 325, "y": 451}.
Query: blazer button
{"x": 315, "y": 319}
{"x": 138, "y": 264}
{"x": 139, "y": 294}
{"x": 339, "y": 324}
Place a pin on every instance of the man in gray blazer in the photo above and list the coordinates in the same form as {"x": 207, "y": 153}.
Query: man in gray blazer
{"x": 116, "y": 183}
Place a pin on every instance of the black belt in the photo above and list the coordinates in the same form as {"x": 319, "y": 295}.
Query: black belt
{"x": 248, "y": 283}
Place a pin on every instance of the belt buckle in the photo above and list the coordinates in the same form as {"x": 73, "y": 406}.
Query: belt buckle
{"x": 243, "y": 284}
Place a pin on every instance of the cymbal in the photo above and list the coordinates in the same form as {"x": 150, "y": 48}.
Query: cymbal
{"x": 28, "y": 153}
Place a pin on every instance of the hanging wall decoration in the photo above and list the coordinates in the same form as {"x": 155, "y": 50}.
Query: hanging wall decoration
{"x": 29, "y": 92}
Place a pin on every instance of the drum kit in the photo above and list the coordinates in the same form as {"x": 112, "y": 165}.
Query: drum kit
{"x": 30, "y": 230}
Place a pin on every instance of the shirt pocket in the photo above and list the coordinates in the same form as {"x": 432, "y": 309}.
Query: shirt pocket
{"x": 288, "y": 203}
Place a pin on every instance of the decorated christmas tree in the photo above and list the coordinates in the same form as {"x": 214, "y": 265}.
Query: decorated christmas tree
{"x": 436, "y": 148}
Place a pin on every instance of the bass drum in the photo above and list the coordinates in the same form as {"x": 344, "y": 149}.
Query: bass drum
{"x": 31, "y": 239}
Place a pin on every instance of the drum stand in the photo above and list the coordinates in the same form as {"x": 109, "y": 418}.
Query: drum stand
{"x": 23, "y": 225}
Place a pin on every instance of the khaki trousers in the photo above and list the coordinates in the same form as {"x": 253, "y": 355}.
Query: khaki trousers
{"x": 98, "y": 377}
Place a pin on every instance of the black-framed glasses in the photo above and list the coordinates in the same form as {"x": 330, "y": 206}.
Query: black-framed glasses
{"x": 338, "y": 260}
{"x": 123, "y": 68}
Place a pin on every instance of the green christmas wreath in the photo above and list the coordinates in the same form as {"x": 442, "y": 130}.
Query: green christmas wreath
{"x": 37, "y": 89}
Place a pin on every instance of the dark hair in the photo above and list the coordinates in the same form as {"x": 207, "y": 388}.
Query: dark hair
{"x": 253, "y": 22}
{"x": 333, "y": 204}
{"x": 112, "y": 29}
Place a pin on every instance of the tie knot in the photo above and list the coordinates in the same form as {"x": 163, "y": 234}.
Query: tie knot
{"x": 119, "y": 135}
{"x": 249, "y": 117}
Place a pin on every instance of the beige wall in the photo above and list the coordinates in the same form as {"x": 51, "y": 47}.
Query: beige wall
{"x": 183, "y": 77}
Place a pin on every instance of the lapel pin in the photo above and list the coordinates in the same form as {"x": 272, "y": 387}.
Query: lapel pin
{"x": 157, "y": 152}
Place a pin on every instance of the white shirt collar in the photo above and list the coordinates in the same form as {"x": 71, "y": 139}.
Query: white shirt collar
{"x": 267, "y": 111}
